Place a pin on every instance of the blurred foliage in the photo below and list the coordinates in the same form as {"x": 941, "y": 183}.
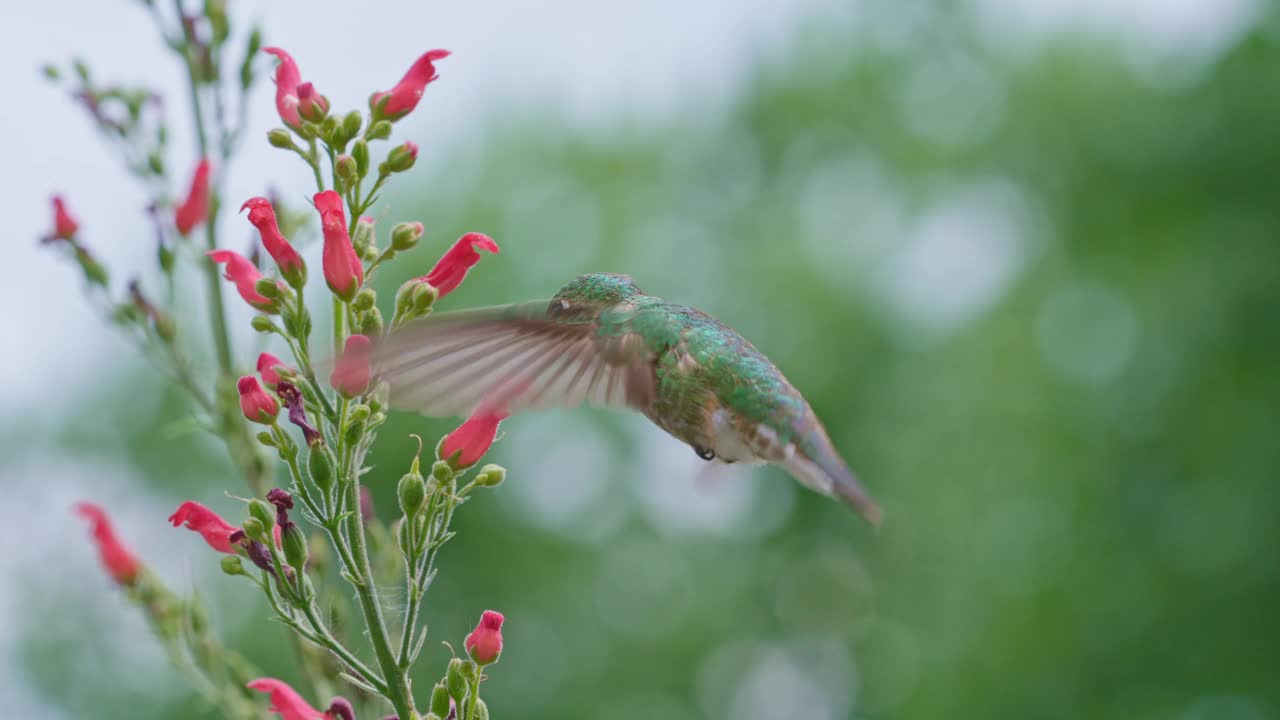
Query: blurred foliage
{"x": 1068, "y": 414}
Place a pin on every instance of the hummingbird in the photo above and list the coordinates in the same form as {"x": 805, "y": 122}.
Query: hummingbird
{"x": 603, "y": 341}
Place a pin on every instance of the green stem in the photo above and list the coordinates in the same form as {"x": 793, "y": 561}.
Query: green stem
{"x": 397, "y": 682}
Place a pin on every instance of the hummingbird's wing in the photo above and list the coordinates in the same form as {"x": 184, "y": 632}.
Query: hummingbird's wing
{"x": 518, "y": 357}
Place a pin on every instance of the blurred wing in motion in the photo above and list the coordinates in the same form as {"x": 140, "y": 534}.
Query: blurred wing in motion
{"x": 514, "y": 355}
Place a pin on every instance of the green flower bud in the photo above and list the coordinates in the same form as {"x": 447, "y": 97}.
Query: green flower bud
{"x": 294, "y": 543}
{"x": 279, "y": 137}
{"x": 345, "y": 167}
{"x": 482, "y": 710}
{"x": 380, "y": 130}
{"x": 166, "y": 258}
{"x": 424, "y": 296}
{"x": 329, "y": 129}
{"x": 320, "y": 467}
{"x": 231, "y": 565}
{"x": 401, "y": 158}
{"x": 440, "y": 700}
{"x": 364, "y": 239}
{"x": 351, "y": 123}
{"x": 254, "y": 528}
{"x": 364, "y": 300}
{"x": 491, "y": 476}
{"x": 263, "y": 324}
{"x": 359, "y": 412}
{"x": 360, "y": 153}
{"x": 51, "y": 72}
{"x": 263, "y": 513}
{"x": 356, "y": 423}
{"x": 378, "y": 397}
{"x": 405, "y": 235}
{"x": 432, "y": 716}
{"x": 267, "y": 440}
{"x": 455, "y": 681}
{"x": 155, "y": 163}
{"x": 371, "y": 323}
{"x": 412, "y": 491}
{"x": 442, "y": 472}
{"x": 267, "y": 288}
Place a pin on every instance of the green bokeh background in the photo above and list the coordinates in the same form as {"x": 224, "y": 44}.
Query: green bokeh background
{"x": 1037, "y": 304}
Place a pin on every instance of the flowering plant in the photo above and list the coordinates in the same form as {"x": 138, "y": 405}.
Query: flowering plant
{"x": 321, "y": 440}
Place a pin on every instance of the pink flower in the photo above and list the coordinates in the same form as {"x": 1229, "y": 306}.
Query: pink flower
{"x": 287, "y": 79}
{"x": 267, "y": 364}
{"x": 448, "y": 273}
{"x": 197, "y": 517}
{"x": 285, "y": 701}
{"x": 343, "y": 270}
{"x": 312, "y": 105}
{"x": 350, "y": 374}
{"x": 263, "y": 217}
{"x": 64, "y": 226}
{"x": 403, "y": 98}
{"x": 195, "y": 209}
{"x": 254, "y": 401}
{"x": 243, "y": 273}
{"x": 485, "y": 642}
{"x": 117, "y": 558}
{"x": 473, "y": 437}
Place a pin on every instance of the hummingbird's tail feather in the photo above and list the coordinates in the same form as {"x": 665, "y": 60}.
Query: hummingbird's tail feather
{"x": 829, "y": 475}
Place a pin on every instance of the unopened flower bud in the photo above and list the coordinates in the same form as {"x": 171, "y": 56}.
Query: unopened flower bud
{"x": 485, "y": 642}
{"x": 405, "y": 235}
{"x": 371, "y": 323}
{"x": 231, "y": 565}
{"x": 380, "y": 130}
{"x": 482, "y": 710}
{"x": 330, "y": 128}
{"x": 279, "y": 137}
{"x": 412, "y": 491}
{"x": 254, "y": 529}
{"x": 267, "y": 440}
{"x": 263, "y": 324}
{"x": 455, "y": 681}
{"x": 440, "y": 700}
{"x": 360, "y": 152}
{"x": 378, "y": 397}
{"x": 320, "y": 467}
{"x": 312, "y": 106}
{"x": 364, "y": 300}
{"x": 345, "y": 167}
{"x": 351, "y": 123}
{"x": 428, "y": 716}
{"x": 364, "y": 239}
{"x": 294, "y": 543}
{"x": 491, "y": 476}
{"x": 442, "y": 472}
{"x": 263, "y": 512}
{"x": 400, "y": 159}
{"x": 268, "y": 288}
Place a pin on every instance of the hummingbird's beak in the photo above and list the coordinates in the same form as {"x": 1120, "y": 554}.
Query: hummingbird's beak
{"x": 834, "y": 479}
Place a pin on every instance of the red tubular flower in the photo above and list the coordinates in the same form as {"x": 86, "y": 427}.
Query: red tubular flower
{"x": 117, "y": 558}
{"x": 285, "y": 701}
{"x": 448, "y": 273}
{"x": 243, "y": 273}
{"x": 473, "y": 437}
{"x": 214, "y": 530}
{"x": 350, "y": 374}
{"x": 312, "y": 105}
{"x": 267, "y": 364}
{"x": 254, "y": 401}
{"x": 403, "y": 98}
{"x": 485, "y": 642}
{"x": 195, "y": 209}
{"x": 287, "y": 79}
{"x": 343, "y": 270}
{"x": 263, "y": 217}
{"x": 64, "y": 226}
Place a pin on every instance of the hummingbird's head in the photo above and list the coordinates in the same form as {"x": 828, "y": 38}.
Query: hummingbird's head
{"x": 588, "y": 294}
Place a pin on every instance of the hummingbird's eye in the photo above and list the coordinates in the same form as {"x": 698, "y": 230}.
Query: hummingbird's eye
{"x": 705, "y": 453}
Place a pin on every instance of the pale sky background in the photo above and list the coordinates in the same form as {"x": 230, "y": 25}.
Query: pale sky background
{"x": 598, "y": 64}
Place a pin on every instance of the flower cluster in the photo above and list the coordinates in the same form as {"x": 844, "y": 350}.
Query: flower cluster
{"x": 287, "y": 538}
